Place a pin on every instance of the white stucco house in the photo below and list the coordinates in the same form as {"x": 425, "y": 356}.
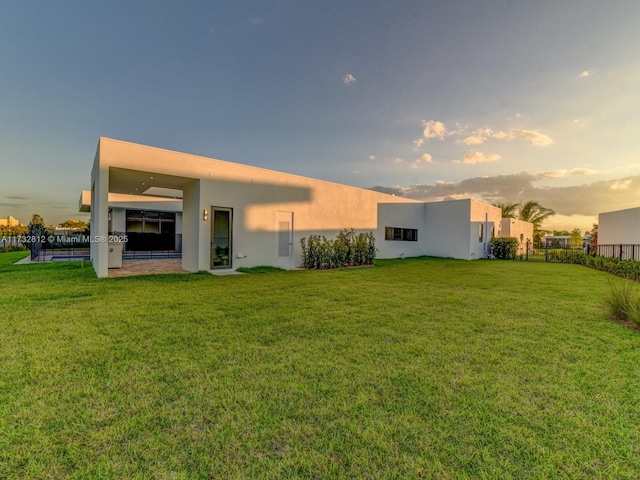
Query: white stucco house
{"x": 229, "y": 215}
{"x": 523, "y": 231}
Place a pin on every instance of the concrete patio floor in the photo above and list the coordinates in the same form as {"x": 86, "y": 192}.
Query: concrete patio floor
{"x": 147, "y": 267}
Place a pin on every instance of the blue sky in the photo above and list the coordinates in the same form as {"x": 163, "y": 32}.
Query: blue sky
{"x": 498, "y": 100}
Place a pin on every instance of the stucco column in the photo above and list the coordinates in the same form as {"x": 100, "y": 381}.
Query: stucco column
{"x": 191, "y": 226}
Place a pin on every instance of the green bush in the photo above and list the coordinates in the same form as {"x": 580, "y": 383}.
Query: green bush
{"x": 629, "y": 269}
{"x": 505, "y": 248}
{"x": 347, "y": 249}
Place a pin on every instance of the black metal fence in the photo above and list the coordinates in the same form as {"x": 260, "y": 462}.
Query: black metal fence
{"x": 620, "y": 251}
{"x": 553, "y": 253}
{"x": 568, "y": 254}
{"x": 76, "y": 247}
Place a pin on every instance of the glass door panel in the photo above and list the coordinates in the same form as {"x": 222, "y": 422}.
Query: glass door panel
{"x": 221, "y": 237}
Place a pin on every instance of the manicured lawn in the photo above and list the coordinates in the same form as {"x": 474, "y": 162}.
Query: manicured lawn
{"x": 417, "y": 368}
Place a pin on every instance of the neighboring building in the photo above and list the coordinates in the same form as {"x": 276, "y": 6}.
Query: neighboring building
{"x": 9, "y": 222}
{"x": 233, "y": 215}
{"x": 619, "y": 234}
{"x": 523, "y": 231}
{"x": 556, "y": 241}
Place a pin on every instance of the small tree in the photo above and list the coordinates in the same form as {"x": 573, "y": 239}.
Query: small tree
{"x": 575, "y": 238}
{"x": 74, "y": 225}
{"x": 593, "y": 242}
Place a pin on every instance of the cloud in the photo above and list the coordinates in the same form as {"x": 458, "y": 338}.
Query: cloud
{"x": 554, "y": 174}
{"x": 621, "y": 184}
{"x": 372, "y": 157}
{"x": 349, "y": 79}
{"x": 394, "y": 160}
{"x": 434, "y": 129}
{"x": 418, "y": 143}
{"x": 582, "y": 171}
{"x": 480, "y": 135}
{"x": 586, "y": 73}
{"x": 437, "y": 129}
{"x": 478, "y": 157}
{"x": 16, "y": 197}
{"x": 255, "y": 21}
{"x": 424, "y": 158}
{"x": 536, "y": 138}
{"x": 576, "y": 172}
{"x": 587, "y": 199}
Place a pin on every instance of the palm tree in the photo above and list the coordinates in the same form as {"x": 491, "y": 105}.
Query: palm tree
{"x": 535, "y": 213}
{"x": 508, "y": 209}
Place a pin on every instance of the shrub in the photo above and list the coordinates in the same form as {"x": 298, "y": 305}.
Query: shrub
{"x": 347, "y": 249}
{"x": 504, "y": 248}
{"x": 623, "y": 303}
{"x": 13, "y": 248}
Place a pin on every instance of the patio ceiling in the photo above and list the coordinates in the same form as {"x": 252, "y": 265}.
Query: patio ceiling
{"x": 136, "y": 182}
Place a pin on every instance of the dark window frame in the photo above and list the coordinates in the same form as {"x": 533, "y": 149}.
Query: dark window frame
{"x": 401, "y": 234}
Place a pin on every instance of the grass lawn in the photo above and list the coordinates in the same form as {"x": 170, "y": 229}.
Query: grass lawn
{"x": 417, "y": 368}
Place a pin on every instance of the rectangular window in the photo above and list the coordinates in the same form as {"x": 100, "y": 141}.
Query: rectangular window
{"x": 480, "y": 233}
{"x": 401, "y": 234}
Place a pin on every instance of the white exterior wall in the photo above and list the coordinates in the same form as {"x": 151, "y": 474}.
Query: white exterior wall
{"x": 448, "y": 231}
{"x": 401, "y": 216}
{"x": 619, "y": 227}
{"x": 453, "y": 228}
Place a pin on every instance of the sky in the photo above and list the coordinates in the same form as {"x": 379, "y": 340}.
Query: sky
{"x": 504, "y": 101}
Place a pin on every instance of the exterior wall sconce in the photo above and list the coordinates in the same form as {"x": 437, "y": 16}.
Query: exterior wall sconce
{"x": 205, "y": 215}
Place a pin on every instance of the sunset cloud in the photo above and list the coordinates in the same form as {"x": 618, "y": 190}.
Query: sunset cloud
{"x": 536, "y": 138}
{"x": 478, "y": 157}
{"x": 424, "y": 158}
{"x": 586, "y": 73}
{"x": 480, "y": 135}
{"x": 434, "y": 129}
{"x": 554, "y": 174}
{"x": 586, "y": 199}
{"x": 582, "y": 171}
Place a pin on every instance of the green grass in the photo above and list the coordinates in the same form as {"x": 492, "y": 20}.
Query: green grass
{"x": 417, "y": 368}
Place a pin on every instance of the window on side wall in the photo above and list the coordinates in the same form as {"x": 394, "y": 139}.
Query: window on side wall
{"x": 401, "y": 234}
{"x": 480, "y": 233}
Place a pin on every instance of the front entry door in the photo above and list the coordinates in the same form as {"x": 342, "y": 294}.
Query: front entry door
{"x": 221, "y": 237}
{"x": 284, "y": 228}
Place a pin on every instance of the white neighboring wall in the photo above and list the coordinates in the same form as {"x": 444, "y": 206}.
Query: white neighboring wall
{"x": 461, "y": 228}
{"x": 619, "y": 227}
{"x": 405, "y": 216}
{"x": 523, "y": 231}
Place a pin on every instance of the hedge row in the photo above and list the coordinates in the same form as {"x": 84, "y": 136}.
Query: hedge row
{"x": 622, "y": 268}
{"x": 347, "y": 249}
